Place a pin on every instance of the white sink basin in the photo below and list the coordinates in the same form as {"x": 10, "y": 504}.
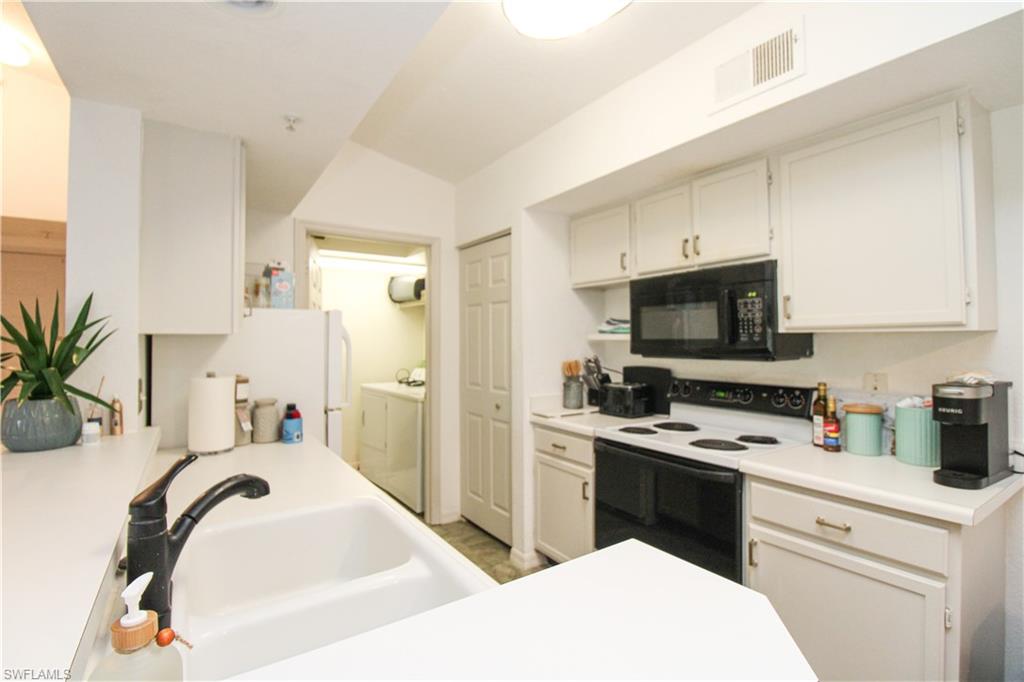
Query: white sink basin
{"x": 253, "y": 593}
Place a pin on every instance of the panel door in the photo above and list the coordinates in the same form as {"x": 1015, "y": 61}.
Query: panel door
{"x": 871, "y": 227}
{"x": 405, "y": 451}
{"x": 600, "y": 247}
{"x": 485, "y": 387}
{"x": 853, "y": 619}
{"x": 731, "y": 220}
{"x": 663, "y": 232}
{"x": 564, "y": 508}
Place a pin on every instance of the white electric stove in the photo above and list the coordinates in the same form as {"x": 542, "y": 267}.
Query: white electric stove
{"x": 675, "y": 483}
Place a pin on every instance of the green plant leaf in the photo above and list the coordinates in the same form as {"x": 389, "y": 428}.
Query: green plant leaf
{"x": 26, "y": 390}
{"x": 8, "y": 385}
{"x": 32, "y": 330}
{"x": 39, "y": 318}
{"x": 54, "y": 327}
{"x": 56, "y": 386}
{"x": 62, "y": 358}
{"x": 87, "y": 396}
{"x": 16, "y": 337}
{"x": 81, "y": 353}
{"x": 99, "y": 331}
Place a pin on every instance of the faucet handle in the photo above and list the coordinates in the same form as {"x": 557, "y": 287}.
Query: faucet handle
{"x": 151, "y": 503}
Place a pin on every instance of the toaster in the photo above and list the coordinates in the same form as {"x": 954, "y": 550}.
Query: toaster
{"x": 627, "y": 399}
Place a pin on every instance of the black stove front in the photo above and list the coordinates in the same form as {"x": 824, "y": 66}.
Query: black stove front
{"x": 686, "y": 508}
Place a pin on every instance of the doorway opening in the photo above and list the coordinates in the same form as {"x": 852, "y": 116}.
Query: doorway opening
{"x": 381, "y": 286}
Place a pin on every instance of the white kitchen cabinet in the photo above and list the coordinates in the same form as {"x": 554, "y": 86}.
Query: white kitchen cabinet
{"x": 873, "y": 230}
{"x": 851, "y": 617}
{"x": 872, "y": 593}
{"x": 192, "y": 239}
{"x": 563, "y": 493}
{"x": 391, "y": 444}
{"x": 731, "y": 218}
{"x": 663, "y": 232}
{"x": 565, "y": 508}
{"x": 599, "y": 247}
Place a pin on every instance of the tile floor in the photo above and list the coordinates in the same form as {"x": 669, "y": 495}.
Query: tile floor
{"x": 487, "y": 552}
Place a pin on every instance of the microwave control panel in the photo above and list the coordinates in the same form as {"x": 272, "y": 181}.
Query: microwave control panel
{"x": 750, "y": 311}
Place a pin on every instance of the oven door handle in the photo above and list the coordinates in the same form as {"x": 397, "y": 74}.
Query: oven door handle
{"x": 728, "y": 477}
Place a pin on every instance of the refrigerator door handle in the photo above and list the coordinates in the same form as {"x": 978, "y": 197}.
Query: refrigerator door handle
{"x": 347, "y": 341}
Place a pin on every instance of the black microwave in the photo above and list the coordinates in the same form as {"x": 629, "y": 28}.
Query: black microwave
{"x": 724, "y": 313}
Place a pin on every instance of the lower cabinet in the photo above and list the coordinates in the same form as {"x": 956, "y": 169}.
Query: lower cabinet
{"x": 870, "y": 593}
{"x": 565, "y": 508}
{"x": 851, "y": 617}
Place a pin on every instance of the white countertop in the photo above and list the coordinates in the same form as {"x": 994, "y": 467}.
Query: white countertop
{"x": 883, "y": 481}
{"x": 63, "y": 511}
{"x": 628, "y": 611}
{"x": 587, "y": 424}
{"x": 417, "y": 393}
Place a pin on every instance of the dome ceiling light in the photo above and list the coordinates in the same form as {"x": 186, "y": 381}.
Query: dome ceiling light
{"x": 554, "y": 19}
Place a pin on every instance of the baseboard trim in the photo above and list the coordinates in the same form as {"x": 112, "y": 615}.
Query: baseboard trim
{"x": 526, "y": 561}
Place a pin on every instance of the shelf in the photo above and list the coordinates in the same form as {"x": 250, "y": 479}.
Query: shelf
{"x": 613, "y": 338}
{"x": 414, "y": 304}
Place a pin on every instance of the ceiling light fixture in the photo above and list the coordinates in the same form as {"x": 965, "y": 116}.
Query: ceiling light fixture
{"x": 15, "y": 49}
{"x": 554, "y": 19}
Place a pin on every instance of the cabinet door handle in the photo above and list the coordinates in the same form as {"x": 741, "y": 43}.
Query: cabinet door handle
{"x": 622, "y": 261}
{"x": 696, "y": 245}
{"x": 822, "y": 521}
{"x": 686, "y": 247}
{"x": 751, "y": 544}
{"x": 558, "y": 446}
{"x": 364, "y": 417}
{"x": 785, "y": 306}
{"x": 586, "y": 485}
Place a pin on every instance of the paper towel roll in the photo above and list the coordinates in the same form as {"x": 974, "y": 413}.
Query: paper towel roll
{"x": 211, "y": 414}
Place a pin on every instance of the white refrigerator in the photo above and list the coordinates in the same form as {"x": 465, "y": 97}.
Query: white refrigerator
{"x": 296, "y": 356}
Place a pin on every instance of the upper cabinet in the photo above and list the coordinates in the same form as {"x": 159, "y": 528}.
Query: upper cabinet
{"x": 663, "y": 232}
{"x": 873, "y": 229}
{"x": 600, "y": 248}
{"x": 192, "y": 247}
{"x": 731, "y": 219}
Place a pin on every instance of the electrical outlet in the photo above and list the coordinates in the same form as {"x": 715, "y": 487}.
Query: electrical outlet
{"x": 876, "y": 382}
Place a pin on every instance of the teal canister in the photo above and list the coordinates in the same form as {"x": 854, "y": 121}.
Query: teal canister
{"x": 863, "y": 428}
{"x": 917, "y": 436}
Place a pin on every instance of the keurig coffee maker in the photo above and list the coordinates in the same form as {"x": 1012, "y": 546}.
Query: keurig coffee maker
{"x": 973, "y": 433}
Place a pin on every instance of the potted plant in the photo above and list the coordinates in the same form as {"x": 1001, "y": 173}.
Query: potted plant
{"x": 45, "y": 414}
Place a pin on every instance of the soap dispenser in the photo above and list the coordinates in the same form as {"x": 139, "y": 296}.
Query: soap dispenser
{"x": 136, "y": 655}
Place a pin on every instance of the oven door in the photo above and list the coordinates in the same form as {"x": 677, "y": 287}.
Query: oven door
{"x": 686, "y": 508}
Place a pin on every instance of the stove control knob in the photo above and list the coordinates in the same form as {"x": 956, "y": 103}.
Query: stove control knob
{"x": 795, "y": 400}
{"x": 745, "y": 396}
{"x": 779, "y": 399}
{"x": 674, "y": 389}
{"x": 686, "y": 390}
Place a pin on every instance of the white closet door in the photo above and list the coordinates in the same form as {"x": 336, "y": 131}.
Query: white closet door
{"x": 485, "y": 302}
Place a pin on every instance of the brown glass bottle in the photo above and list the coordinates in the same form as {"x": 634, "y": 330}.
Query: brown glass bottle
{"x": 833, "y": 440}
{"x": 818, "y": 410}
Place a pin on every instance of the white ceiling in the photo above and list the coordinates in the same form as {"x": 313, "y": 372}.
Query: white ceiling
{"x": 40, "y": 66}
{"x": 219, "y": 67}
{"x": 475, "y": 89}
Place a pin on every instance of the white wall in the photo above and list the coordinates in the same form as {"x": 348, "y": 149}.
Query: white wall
{"x": 385, "y": 337}
{"x": 366, "y": 192}
{"x": 35, "y": 147}
{"x": 104, "y": 189}
{"x": 1008, "y": 179}
{"x": 268, "y": 237}
{"x": 671, "y": 103}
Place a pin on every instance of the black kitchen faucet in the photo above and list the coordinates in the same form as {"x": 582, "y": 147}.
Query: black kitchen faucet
{"x": 152, "y": 547}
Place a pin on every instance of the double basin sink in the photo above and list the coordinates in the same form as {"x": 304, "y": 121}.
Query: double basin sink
{"x": 255, "y": 592}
